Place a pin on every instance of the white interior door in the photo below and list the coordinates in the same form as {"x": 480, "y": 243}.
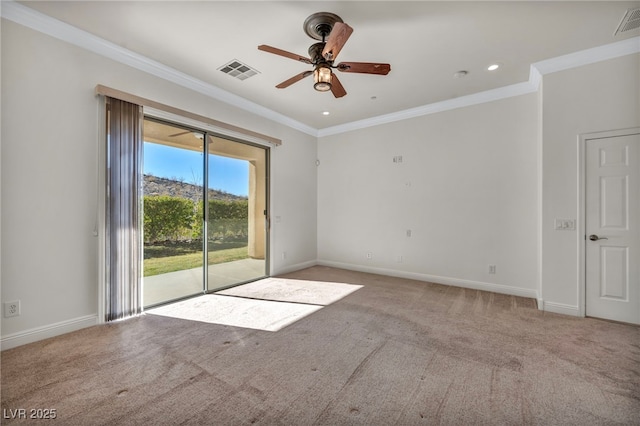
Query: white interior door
{"x": 613, "y": 228}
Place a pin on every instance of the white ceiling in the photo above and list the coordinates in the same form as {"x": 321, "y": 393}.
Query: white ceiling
{"x": 425, "y": 42}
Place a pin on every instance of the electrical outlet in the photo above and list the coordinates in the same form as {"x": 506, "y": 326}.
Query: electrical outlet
{"x": 11, "y": 309}
{"x": 492, "y": 269}
{"x": 369, "y": 255}
{"x": 284, "y": 255}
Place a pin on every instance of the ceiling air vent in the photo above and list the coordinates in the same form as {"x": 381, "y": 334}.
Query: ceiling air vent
{"x": 238, "y": 70}
{"x": 631, "y": 21}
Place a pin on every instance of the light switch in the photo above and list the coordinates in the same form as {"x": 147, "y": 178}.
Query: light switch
{"x": 565, "y": 224}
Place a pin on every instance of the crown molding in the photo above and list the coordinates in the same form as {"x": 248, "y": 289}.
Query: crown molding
{"x": 536, "y": 71}
{"x": 589, "y": 56}
{"x": 461, "y": 102}
{"x": 37, "y": 21}
{"x": 52, "y": 27}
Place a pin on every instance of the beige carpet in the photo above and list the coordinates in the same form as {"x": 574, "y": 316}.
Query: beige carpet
{"x": 268, "y": 304}
{"x": 238, "y": 312}
{"x": 290, "y": 290}
{"x": 395, "y": 352}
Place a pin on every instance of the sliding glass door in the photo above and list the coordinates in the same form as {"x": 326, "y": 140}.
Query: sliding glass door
{"x": 236, "y": 212}
{"x": 204, "y": 212}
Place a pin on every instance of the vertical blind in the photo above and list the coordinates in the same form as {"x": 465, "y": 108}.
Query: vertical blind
{"x": 123, "y": 210}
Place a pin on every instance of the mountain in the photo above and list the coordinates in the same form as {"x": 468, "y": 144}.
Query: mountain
{"x": 154, "y": 185}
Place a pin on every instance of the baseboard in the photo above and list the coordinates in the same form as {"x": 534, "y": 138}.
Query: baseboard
{"x": 51, "y": 330}
{"x": 456, "y": 282}
{"x": 293, "y": 268}
{"x": 560, "y": 308}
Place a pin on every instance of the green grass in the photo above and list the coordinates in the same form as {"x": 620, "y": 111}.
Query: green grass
{"x": 163, "y": 258}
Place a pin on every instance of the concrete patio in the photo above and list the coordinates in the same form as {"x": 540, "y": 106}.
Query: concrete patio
{"x": 175, "y": 285}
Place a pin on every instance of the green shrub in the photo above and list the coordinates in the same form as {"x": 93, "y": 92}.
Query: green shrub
{"x": 167, "y": 218}
{"x": 228, "y": 219}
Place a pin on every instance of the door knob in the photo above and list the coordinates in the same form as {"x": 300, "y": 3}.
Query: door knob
{"x": 594, "y": 237}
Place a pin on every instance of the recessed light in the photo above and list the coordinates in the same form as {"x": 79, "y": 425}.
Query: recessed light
{"x": 493, "y": 67}
{"x": 373, "y": 98}
{"x": 460, "y": 74}
{"x": 325, "y": 112}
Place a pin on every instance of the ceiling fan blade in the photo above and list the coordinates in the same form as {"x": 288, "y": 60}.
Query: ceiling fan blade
{"x": 338, "y": 36}
{"x": 284, "y": 53}
{"x": 336, "y": 87}
{"x": 364, "y": 67}
{"x": 179, "y": 134}
{"x": 294, "y": 79}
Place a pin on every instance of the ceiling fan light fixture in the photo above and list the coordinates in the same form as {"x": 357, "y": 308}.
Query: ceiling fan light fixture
{"x": 333, "y": 33}
{"x": 322, "y": 78}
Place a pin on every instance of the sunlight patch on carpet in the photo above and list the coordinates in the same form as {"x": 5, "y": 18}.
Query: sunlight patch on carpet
{"x": 288, "y": 290}
{"x": 269, "y": 304}
{"x": 238, "y": 312}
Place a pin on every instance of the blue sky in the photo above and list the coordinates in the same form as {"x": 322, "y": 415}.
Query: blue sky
{"x": 227, "y": 174}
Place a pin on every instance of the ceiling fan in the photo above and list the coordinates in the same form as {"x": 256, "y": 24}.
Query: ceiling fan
{"x": 319, "y": 26}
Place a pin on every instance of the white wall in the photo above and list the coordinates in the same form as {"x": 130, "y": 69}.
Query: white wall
{"x": 598, "y": 97}
{"x": 50, "y": 125}
{"x": 467, "y": 188}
